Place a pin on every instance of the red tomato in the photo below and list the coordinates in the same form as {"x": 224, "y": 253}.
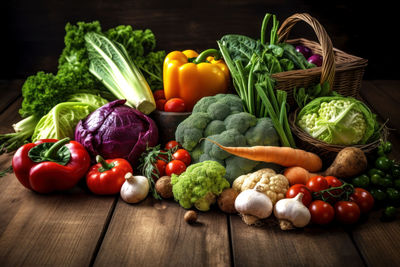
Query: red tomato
{"x": 171, "y": 144}
{"x": 347, "y": 212}
{"x": 363, "y": 198}
{"x": 333, "y": 181}
{"x": 300, "y": 188}
{"x": 175, "y": 166}
{"x": 160, "y": 166}
{"x": 321, "y": 212}
{"x": 175, "y": 105}
{"x": 317, "y": 183}
{"x": 183, "y": 156}
{"x": 160, "y": 103}
{"x": 158, "y": 94}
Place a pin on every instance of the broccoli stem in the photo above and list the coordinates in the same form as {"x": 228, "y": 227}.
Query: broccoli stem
{"x": 23, "y": 132}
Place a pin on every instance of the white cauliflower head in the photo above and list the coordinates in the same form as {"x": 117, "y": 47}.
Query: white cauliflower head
{"x": 272, "y": 184}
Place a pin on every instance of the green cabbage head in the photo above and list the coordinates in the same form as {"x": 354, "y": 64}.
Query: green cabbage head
{"x": 338, "y": 120}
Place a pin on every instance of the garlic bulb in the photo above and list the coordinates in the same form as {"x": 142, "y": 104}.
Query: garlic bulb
{"x": 253, "y": 205}
{"x": 135, "y": 188}
{"x": 292, "y": 213}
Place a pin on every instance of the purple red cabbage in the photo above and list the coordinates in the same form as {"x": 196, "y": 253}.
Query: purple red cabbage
{"x": 117, "y": 131}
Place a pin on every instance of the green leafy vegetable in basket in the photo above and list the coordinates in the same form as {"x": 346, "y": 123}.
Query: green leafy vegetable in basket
{"x": 251, "y": 62}
{"x": 338, "y": 120}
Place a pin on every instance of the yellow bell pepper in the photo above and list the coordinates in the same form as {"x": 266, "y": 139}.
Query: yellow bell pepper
{"x": 187, "y": 75}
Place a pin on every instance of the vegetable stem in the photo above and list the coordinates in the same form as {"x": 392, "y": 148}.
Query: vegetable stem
{"x": 104, "y": 165}
{"x": 209, "y": 52}
{"x": 264, "y": 27}
{"x": 52, "y": 152}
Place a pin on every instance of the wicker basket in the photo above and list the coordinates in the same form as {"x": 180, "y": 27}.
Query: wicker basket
{"x": 325, "y": 151}
{"x": 344, "y": 72}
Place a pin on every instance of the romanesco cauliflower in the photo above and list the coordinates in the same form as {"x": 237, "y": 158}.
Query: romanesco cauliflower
{"x": 199, "y": 185}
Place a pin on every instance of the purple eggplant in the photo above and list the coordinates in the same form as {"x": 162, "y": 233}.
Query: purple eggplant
{"x": 315, "y": 59}
{"x": 304, "y": 50}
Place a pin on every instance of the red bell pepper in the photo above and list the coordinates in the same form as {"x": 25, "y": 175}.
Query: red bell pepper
{"x": 50, "y": 165}
{"x": 107, "y": 176}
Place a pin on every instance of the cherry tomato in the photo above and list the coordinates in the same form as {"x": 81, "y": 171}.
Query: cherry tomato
{"x": 171, "y": 144}
{"x": 175, "y": 166}
{"x": 175, "y": 105}
{"x": 300, "y": 188}
{"x": 158, "y": 94}
{"x": 333, "y": 181}
{"x": 160, "y": 103}
{"x": 160, "y": 166}
{"x": 321, "y": 212}
{"x": 317, "y": 183}
{"x": 363, "y": 198}
{"x": 347, "y": 212}
{"x": 182, "y": 155}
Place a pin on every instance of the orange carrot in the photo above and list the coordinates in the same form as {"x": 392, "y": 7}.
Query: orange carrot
{"x": 298, "y": 175}
{"x": 284, "y": 156}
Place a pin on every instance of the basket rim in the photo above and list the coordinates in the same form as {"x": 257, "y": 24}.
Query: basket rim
{"x": 354, "y": 63}
{"x": 304, "y": 136}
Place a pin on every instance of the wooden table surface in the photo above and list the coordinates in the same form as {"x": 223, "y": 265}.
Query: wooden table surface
{"x": 76, "y": 228}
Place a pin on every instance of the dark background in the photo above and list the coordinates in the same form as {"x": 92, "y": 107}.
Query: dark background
{"x": 33, "y": 31}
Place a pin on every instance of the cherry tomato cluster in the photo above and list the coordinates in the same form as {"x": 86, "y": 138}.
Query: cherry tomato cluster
{"x": 172, "y": 105}
{"x": 328, "y": 198}
{"x": 180, "y": 160}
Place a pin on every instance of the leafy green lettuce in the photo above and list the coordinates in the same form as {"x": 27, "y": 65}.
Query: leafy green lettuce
{"x": 62, "y": 119}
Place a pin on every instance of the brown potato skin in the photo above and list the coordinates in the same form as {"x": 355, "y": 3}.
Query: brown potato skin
{"x": 164, "y": 187}
{"x": 226, "y": 201}
{"x": 349, "y": 162}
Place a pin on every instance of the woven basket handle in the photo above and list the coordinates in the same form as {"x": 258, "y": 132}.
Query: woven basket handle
{"x": 328, "y": 63}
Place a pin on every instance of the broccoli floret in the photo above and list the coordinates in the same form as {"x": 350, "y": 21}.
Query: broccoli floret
{"x": 214, "y": 127}
{"x": 199, "y": 185}
{"x": 206, "y": 156}
{"x": 240, "y": 121}
{"x": 232, "y": 101}
{"x": 221, "y": 118}
{"x": 190, "y": 131}
{"x": 218, "y": 111}
{"x": 262, "y": 134}
{"x": 236, "y": 166}
{"x": 227, "y": 138}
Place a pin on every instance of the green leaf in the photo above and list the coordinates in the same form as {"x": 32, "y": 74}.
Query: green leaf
{"x": 38, "y": 154}
{"x": 112, "y": 65}
{"x": 61, "y": 121}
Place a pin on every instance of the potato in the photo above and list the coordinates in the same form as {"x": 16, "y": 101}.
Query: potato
{"x": 226, "y": 201}
{"x": 164, "y": 187}
{"x": 349, "y": 162}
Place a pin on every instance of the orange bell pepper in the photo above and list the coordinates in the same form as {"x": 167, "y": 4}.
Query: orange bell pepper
{"x": 190, "y": 76}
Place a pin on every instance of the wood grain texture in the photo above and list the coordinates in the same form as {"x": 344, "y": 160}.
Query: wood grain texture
{"x": 384, "y": 97}
{"x": 312, "y": 246}
{"x": 59, "y": 229}
{"x": 154, "y": 233}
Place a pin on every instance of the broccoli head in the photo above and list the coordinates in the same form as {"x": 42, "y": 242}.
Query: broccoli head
{"x": 199, "y": 185}
{"x": 222, "y": 119}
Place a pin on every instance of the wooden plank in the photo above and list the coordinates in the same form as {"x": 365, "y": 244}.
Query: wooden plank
{"x": 154, "y": 234}
{"x": 10, "y": 90}
{"x": 379, "y": 242}
{"x": 384, "y": 97}
{"x": 60, "y": 229}
{"x": 270, "y": 246}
